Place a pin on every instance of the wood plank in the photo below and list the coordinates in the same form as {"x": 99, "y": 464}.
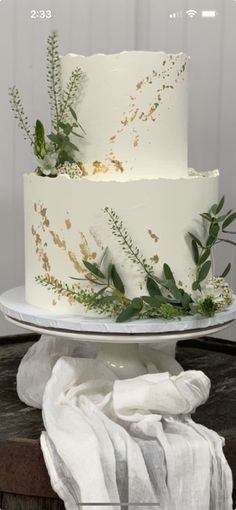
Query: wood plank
{"x": 16, "y": 502}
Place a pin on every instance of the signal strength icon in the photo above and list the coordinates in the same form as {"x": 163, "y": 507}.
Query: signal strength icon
{"x": 177, "y": 14}
{"x": 191, "y": 13}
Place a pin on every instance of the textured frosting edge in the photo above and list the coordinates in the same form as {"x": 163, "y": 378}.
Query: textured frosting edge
{"x": 134, "y": 52}
{"x": 192, "y": 174}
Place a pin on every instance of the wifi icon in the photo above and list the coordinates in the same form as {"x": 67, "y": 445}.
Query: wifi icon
{"x": 191, "y": 13}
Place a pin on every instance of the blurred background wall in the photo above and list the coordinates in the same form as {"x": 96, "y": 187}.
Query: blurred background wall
{"x": 91, "y": 26}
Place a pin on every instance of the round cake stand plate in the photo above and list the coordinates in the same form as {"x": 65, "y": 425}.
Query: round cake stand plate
{"x": 127, "y": 348}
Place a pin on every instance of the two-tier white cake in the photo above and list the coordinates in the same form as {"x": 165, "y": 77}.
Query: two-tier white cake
{"x": 133, "y": 157}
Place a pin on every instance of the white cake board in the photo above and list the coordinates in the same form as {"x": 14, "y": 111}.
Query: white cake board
{"x": 118, "y": 342}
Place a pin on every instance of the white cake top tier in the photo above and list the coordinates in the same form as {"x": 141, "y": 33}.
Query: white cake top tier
{"x": 133, "y": 108}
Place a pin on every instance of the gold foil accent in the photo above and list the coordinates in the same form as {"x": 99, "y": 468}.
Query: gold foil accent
{"x": 84, "y": 248}
{"x": 136, "y": 140}
{"x": 56, "y": 239}
{"x": 68, "y": 223}
{"x": 95, "y": 237}
{"x": 99, "y": 167}
{"x": 75, "y": 262}
{"x": 153, "y": 236}
{"x": 118, "y": 165}
{"x": 43, "y": 214}
{"x": 112, "y": 139}
{"x": 155, "y": 259}
{"x": 46, "y": 265}
{"x": 42, "y": 255}
{"x": 82, "y": 168}
{"x": 54, "y": 302}
{"x": 35, "y": 207}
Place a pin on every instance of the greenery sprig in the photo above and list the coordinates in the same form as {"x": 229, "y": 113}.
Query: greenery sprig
{"x": 216, "y": 225}
{"x": 54, "y": 79}
{"x": 56, "y": 148}
{"x": 19, "y": 114}
{"x": 164, "y": 298}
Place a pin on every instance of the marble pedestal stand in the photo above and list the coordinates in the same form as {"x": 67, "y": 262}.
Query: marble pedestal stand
{"x": 126, "y": 347}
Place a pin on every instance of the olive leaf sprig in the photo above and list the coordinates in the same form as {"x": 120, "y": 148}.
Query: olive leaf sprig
{"x": 155, "y": 285}
{"x": 216, "y": 225}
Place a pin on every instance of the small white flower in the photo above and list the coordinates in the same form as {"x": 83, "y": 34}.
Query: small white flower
{"x": 218, "y": 290}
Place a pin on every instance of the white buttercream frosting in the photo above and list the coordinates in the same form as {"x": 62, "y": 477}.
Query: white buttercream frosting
{"x": 133, "y": 108}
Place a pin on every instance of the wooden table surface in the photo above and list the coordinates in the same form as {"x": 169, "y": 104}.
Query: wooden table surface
{"x": 22, "y": 469}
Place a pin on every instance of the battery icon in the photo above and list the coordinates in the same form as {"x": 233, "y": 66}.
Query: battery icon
{"x": 209, "y": 14}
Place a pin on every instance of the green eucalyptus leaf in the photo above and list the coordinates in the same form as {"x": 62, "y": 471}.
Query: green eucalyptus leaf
{"x": 176, "y": 293}
{"x": 206, "y": 216}
{"x": 204, "y": 271}
{"x": 71, "y": 145}
{"x": 63, "y": 156}
{"x": 186, "y": 300}
{"x": 126, "y": 314}
{"x": 220, "y": 205}
{"x": 214, "y": 229}
{"x": 226, "y": 271}
{"x": 196, "y": 286}
{"x": 76, "y": 134}
{"x": 168, "y": 273}
{"x": 155, "y": 301}
{"x": 196, "y": 239}
{"x": 93, "y": 268}
{"x": 137, "y": 303}
{"x": 195, "y": 251}
{"x": 211, "y": 241}
{"x": 214, "y": 209}
{"x": 153, "y": 287}
{"x": 117, "y": 280}
{"x": 57, "y": 139}
{"x": 73, "y": 113}
{"x": 204, "y": 256}
{"x": 229, "y": 220}
{"x": 65, "y": 127}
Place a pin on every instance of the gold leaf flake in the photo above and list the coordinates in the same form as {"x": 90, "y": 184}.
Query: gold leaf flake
{"x": 54, "y": 302}
{"x": 153, "y": 236}
{"x": 118, "y": 165}
{"x": 35, "y": 207}
{"x": 154, "y": 259}
{"x": 112, "y": 138}
{"x": 68, "y": 223}
{"x": 82, "y": 168}
{"x": 95, "y": 237}
{"x": 45, "y": 261}
{"x": 56, "y": 239}
{"x": 84, "y": 248}
{"x": 75, "y": 262}
{"x": 99, "y": 167}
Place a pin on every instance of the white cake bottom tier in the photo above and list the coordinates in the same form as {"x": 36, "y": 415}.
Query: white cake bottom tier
{"x": 65, "y": 223}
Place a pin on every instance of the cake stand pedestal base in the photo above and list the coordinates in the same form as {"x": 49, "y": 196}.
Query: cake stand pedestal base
{"x": 127, "y": 348}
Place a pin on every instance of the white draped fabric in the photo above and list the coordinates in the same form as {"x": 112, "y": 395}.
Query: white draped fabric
{"x": 113, "y": 441}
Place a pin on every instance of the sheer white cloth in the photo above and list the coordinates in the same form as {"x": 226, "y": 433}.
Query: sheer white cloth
{"x": 111, "y": 441}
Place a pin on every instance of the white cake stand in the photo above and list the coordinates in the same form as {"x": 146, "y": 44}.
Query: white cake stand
{"x": 120, "y": 345}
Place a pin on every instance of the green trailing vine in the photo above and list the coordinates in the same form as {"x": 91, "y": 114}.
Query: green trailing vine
{"x": 216, "y": 225}
{"x": 55, "y": 148}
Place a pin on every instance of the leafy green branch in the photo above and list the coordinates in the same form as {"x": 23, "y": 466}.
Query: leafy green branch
{"x": 216, "y": 225}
